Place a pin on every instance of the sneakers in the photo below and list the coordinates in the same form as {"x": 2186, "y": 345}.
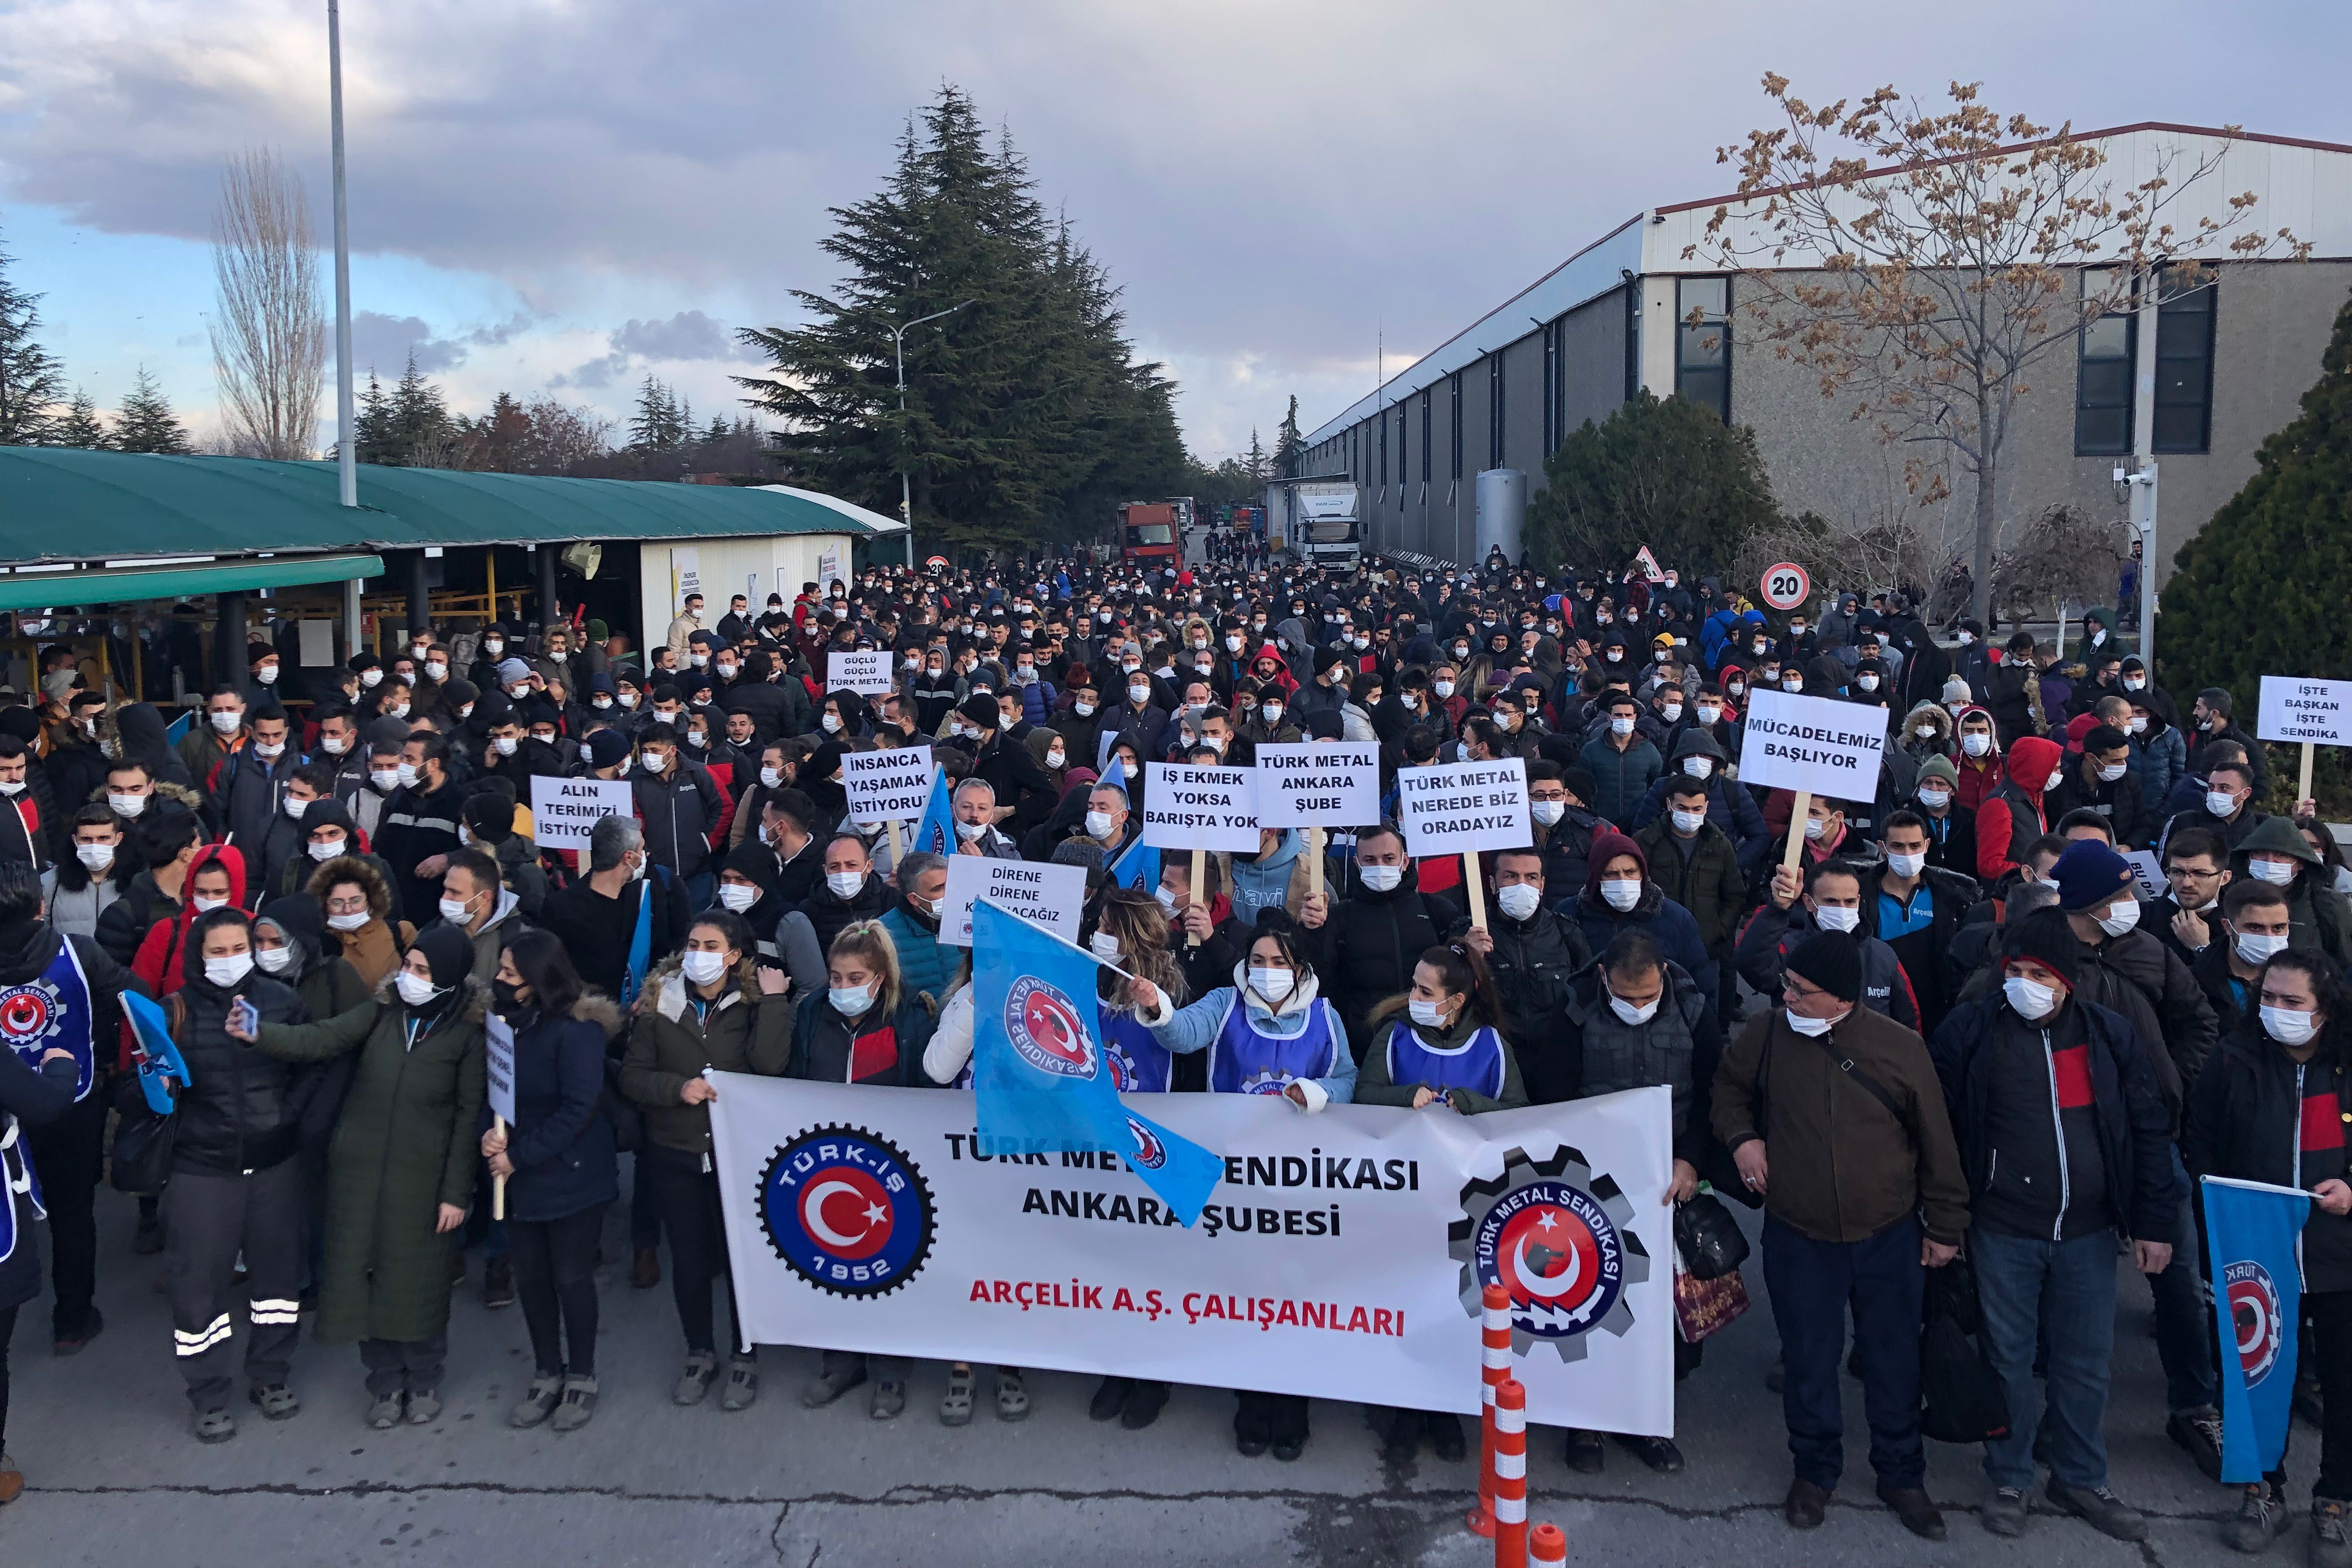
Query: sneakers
{"x": 2005, "y": 1515}
{"x": 71, "y": 1344}
{"x": 2261, "y": 1517}
{"x": 2198, "y": 1433}
{"x": 579, "y": 1404}
{"x": 2101, "y": 1510}
{"x": 1012, "y": 1394}
{"x": 423, "y": 1409}
{"x": 274, "y": 1401}
{"x": 498, "y": 1282}
{"x": 834, "y": 1382}
{"x": 645, "y": 1269}
{"x": 955, "y": 1405}
{"x": 888, "y": 1398}
{"x": 2330, "y": 1546}
{"x": 215, "y": 1425}
{"x": 539, "y": 1403}
{"x": 702, "y": 1372}
{"x": 742, "y": 1384}
{"x": 385, "y": 1414}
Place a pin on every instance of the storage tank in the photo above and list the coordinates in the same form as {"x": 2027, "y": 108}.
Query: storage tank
{"x": 1502, "y": 513}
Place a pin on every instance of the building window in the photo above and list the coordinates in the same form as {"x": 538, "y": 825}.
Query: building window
{"x": 1703, "y": 343}
{"x": 1453, "y": 394}
{"x": 2103, "y": 381}
{"x": 1427, "y": 399}
{"x": 2184, "y": 370}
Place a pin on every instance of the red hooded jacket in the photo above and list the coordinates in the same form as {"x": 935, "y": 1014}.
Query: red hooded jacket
{"x": 2012, "y": 816}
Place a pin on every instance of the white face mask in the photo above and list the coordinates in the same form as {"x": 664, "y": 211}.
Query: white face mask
{"x": 1547, "y": 812}
{"x": 1814, "y": 1026}
{"x": 371, "y": 678}
{"x": 1271, "y": 713}
{"x": 436, "y": 671}
{"x": 1629, "y": 1014}
{"x": 655, "y": 761}
{"x": 2289, "y": 1027}
{"x": 1976, "y": 745}
{"x": 844, "y": 884}
{"x": 1621, "y": 726}
{"x": 1167, "y": 898}
{"x": 703, "y": 967}
{"x": 1105, "y": 945}
{"x": 737, "y": 896}
{"x": 2277, "y": 872}
{"x": 1831, "y": 918}
{"x": 417, "y": 650}
{"x": 397, "y": 710}
{"x": 1130, "y": 769}
{"x": 1139, "y": 691}
{"x": 504, "y": 744}
{"x": 295, "y": 808}
{"x": 228, "y": 972}
{"x": 415, "y": 989}
{"x": 204, "y": 906}
{"x": 127, "y": 804}
{"x": 850, "y": 1001}
{"x": 2257, "y": 947}
{"x": 275, "y": 960}
{"x": 1709, "y": 713}
{"x": 1867, "y": 682}
{"x": 1272, "y": 985}
{"x": 832, "y": 723}
{"x": 267, "y": 675}
{"x": 2110, "y": 774}
{"x": 1689, "y": 822}
{"x": 968, "y": 831}
{"x": 406, "y": 774}
{"x": 1966, "y": 637}
{"x": 1935, "y": 799}
{"x": 1519, "y": 900}
{"x": 347, "y": 922}
{"x": 1083, "y": 710}
{"x": 1698, "y": 767}
{"x": 97, "y": 856}
{"x": 2054, "y": 780}
{"x": 2031, "y": 1000}
{"x": 1622, "y": 894}
{"x": 1443, "y": 689}
{"x": 493, "y": 646}
{"x": 269, "y": 754}
{"x": 1099, "y": 825}
{"x": 385, "y": 779}
{"x": 1907, "y": 864}
{"x": 322, "y": 853}
{"x": 701, "y": 659}
{"x": 1672, "y": 713}
{"x": 226, "y": 720}
{"x": 1381, "y": 878}
{"x": 454, "y": 911}
{"x": 1924, "y": 731}
{"x": 1817, "y": 826}
{"x": 2220, "y": 803}
{"x": 2121, "y": 916}
{"x": 1426, "y": 1014}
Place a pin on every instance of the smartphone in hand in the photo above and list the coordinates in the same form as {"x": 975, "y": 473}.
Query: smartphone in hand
{"x": 249, "y": 1016}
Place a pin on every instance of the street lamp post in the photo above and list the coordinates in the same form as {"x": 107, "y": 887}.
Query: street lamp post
{"x": 906, "y": 488}
{"x": 347, "y": 474}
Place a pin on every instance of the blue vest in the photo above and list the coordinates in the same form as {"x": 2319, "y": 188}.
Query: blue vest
{"x": 51, "y": 1012}
{"x": 1139, "y": 1062}
{"x": 1476, "y": 1064}
{"x": 16, "y": 1180}
{"x": 1244, "y": 1061}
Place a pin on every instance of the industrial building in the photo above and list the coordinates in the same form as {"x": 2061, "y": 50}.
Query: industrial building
{"x": 2195, "y": 385}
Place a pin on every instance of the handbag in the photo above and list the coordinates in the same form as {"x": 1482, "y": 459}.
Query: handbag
{"x": 143, "y": 1141}
{"x": 1711, "y": 1243}
{"x": 1705, "y": 1307}
{"x": 1961, "y": 1394}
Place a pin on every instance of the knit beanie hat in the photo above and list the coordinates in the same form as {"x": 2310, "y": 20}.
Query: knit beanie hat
{"x": 2044, "y": 937}
{"x": 606, "y": 747}
{"x": 449, "y": 952}
{"x": 1939, "y": 767}
{"x": 2090, "y": 875}
{"x": 1831, "y": 960}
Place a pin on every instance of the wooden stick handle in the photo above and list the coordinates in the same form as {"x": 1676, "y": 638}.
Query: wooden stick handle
{"x": 1471, "y": 880}
{"x": 498, "y": 1184}
{"x": 898, "y": 847}
{"x": 2302, "y": 790}
{"x": 1200, "y": 879}
{"x": 1314, "y": 862}
{"x": 1798, "y": 811}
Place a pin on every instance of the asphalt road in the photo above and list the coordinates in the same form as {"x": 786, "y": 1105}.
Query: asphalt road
{"x": 114, "y": 1477}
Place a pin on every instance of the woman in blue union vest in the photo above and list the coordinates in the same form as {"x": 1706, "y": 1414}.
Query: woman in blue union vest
{"x": 1439, "y": 1047}
{"x": 1268, "y": 1033}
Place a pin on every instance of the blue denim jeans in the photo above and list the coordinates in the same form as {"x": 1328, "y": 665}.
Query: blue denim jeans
{"x": 2063, "y": 1291}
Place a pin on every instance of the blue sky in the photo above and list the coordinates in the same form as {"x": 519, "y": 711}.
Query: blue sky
{"x": 570, "y": 194}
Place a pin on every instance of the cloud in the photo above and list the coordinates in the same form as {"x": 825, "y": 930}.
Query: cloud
{"x": 383, "y": 344}
{"x": 687, "y": 336}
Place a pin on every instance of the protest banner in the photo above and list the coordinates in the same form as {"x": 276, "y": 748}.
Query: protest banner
{"x": 863, "y": 1218}
{"x": 1461, "y": 810}
{"x": 2148, "y": 874}
{"x": 1198, "y": 808}
{"x": 891, "y": 786}
{"x": 1812, "y": 745}
{"x": 1048, "y": 895}
{"x": 867, "y": 673}
{"x": 2314, "y": 713}
{"x": 564, "y": 811}
{"x": 1316, "y": 786}
{"x": 498, "y": 1065}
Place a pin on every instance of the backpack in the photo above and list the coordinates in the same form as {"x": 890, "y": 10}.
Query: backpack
{"x": 1961, "y": 1396}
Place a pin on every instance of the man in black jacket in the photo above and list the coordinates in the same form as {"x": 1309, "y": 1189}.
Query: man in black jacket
{"x": 1366, "y": 944}
{"x": 423, "y": 822}
{"x": 680, "y": 806}
{"x": 1559, "y": 797}
{"x": 1025, "y": 795}
{"x": 1916, "y": 909}
{"x": 2068, "y": 1146}
{"x": 1529, "y": 949}
{"x": 852, "y": 890}
{"x": 2100, "y": 781}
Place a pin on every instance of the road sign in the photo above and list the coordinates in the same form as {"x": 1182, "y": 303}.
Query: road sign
{"x": 1649, "y": 564}
{"x": 1786, "y": 585}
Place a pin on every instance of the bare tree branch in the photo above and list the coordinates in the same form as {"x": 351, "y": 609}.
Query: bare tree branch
{"x": 269, "y": 327}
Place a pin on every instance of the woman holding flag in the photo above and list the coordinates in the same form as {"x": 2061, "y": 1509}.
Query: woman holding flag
{"x": 2272, "y": 1106}
{"x": 1270, "y": 1032}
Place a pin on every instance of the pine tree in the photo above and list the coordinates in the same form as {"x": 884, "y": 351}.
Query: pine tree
{"x": 659, "y": 424}
{"x": 31, "y": 379}
{"x": 374, "y": 439}
{"x": 80, "y": 425}
{"x": 145, "y": 423}
{"x": 1257, "y": 460}
{"x": 2261, "y": 589}
{"x": 423, "y": 435}
{"x": 1662, "y": 472}
{"x": 1289, "y": 445}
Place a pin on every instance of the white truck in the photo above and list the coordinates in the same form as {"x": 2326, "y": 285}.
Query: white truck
{"x": 1324, "y": 526}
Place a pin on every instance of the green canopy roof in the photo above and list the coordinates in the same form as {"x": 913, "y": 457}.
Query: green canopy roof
{"x": 64, "y": 505}
{"x": 131, "y": 585}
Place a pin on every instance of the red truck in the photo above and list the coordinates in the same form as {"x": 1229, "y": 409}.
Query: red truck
{"x": 1147, "y": 531}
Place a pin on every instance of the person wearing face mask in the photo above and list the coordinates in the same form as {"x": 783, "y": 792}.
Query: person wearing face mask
{"x": 1529, "y": 951}
{"x": 1918, "y": 907}
{"x": 475, "y": 901}
{"x": 214, "y": 878}
{"x": 1623, "y": 761}
{"x": 2269, "y": 1107}
{"x": 2274, "y": 851}
{"x": 421, "y": 823}
{"x": 710, "y": 1007}
{"x": 2067, "y": 1143}
{"x": 2015, "y": 814}
{"x": 925, "y": 967}
{"x": 401, "y": 1168}
{"x": 1698, "y": 865}
{"x": 1026, "y": 795}
{"x": 1619, "y": 894}
{"x": 1369, "y": 940}
{"x": 1835, "y": 1119}
{"x": 98, "y": 869}
{"x": 235, "y": 1187}
{"x": 681, "y": 808}
{"x": 1979, "y": 759}
{"x": 216, "y": 734}
{"x": 1832, "y": 901}
{"x": 851, "y": 892}
{"x": 1438, "y": 1047}
{"x": 1699, "y": 757}
{"x": 1269, "y": 1030}
{"x": 2012, "y": 692}
{"x": 2100, "y": 780}
{"x": 291, "y": 946}
{"x": 1951, "y": 832}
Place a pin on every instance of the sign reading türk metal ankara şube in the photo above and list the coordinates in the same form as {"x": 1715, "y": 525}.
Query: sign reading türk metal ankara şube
{"x": 1319, "y": 785}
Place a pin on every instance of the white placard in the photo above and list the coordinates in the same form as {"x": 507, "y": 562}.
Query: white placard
{"x": 1817, "y": 744}
{"x": 1049, "y": 895}
{"x": 892, "y": 785}
{"x": 686, "y": 566}
{"x": 1327, "y": 1262}
{"x": 1191, "y": 808}
{"x": 1464, "y": 807}
{"x": 317, "y": 644}
{"x": 498, "y": 1053}
{"x": 865, "y": 672}
{"x": 828, "y": 568}
{"x": 2148, "y": 874}
{"x": 2293, "y": 708}
{"x": 1319, "y": 785}
{"x": 563, "y": 811}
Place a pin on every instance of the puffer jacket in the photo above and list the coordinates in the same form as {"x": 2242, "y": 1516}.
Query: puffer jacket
{"x": 2145, "y": 985}
{"x": 238, "y": 1111}
{"x": 561, "y": 1146}
{"x": 925, "y": 965}
{"x": 830, "y": 914}
{"x": 1589, "y": 1050}
{"x": 2013, "y": 816}
{"x": 672, "y": 1042}
{"x": 1531, "y": 964}
{"x": 1707, "y": 881}
{"x": 1366, "y": 947}
{"x": 681, "y": 812}
{"x": 829, "y": 1049}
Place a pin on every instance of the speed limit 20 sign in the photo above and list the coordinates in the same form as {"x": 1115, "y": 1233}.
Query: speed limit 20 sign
{"x": 1786, "y": 585}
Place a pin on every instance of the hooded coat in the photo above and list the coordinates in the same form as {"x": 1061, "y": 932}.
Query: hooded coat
{"x": 2013, "y": 817}
{"x": 374, "y": 948}
{"x": 2319, "y": 919}
{"x": 1674, "y": 928}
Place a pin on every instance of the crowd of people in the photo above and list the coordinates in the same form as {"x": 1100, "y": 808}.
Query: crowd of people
{"x": 1956, "y": 1032}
